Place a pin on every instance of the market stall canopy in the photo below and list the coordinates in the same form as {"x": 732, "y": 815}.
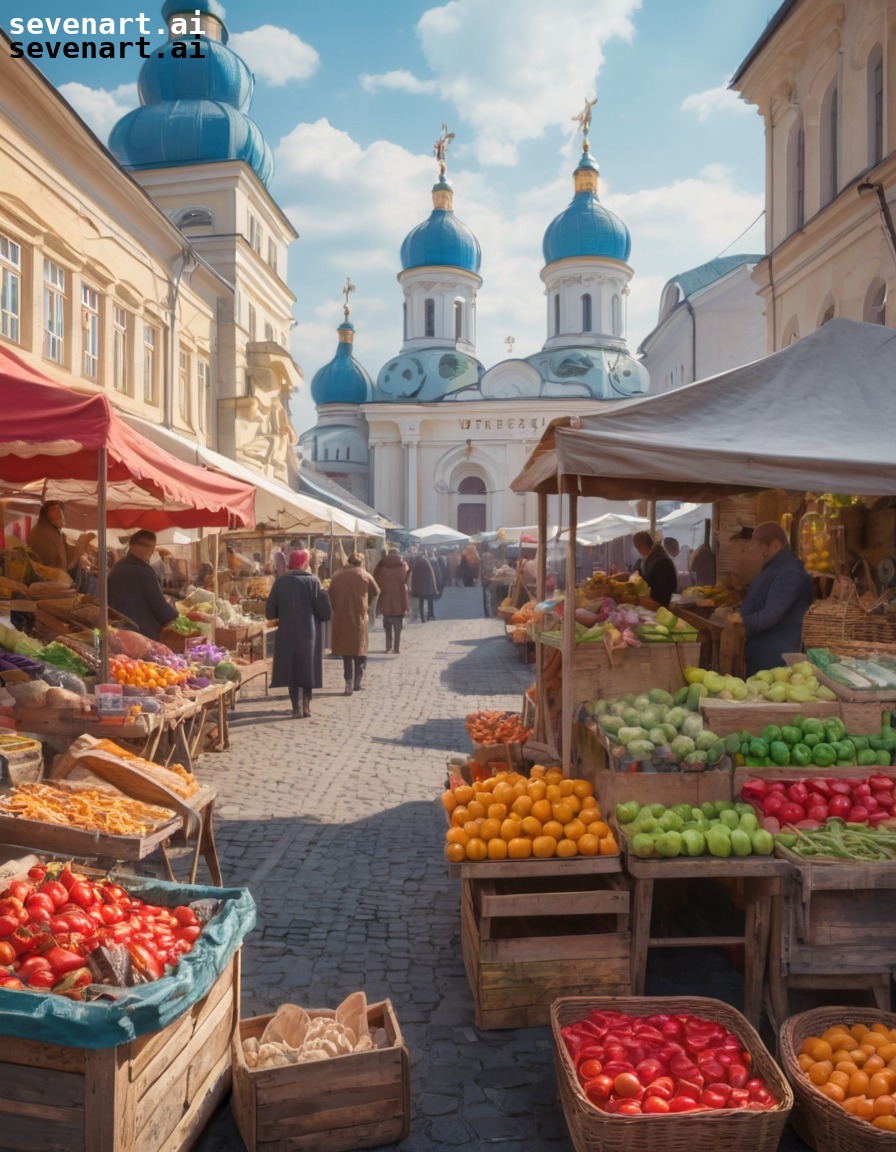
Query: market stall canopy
{"x": 688, "y": 519}
{"x": 50, "y": 442}
{"x": 438, "y": 534}
{"x": 812, "y": 417}
{"x": 275, "y": 505}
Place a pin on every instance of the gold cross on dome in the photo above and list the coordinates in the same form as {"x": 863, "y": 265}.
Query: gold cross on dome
{"x": 346, "y": 292}
{"x": 440, "y": 148}
{"x": 583, "y": 119}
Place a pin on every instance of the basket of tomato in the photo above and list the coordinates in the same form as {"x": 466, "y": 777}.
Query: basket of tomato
{"x": 841, "y": 1063}
{"x": 681, "y": 1074}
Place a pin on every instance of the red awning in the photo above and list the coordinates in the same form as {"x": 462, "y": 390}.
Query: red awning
{"x": 50, "y": 433}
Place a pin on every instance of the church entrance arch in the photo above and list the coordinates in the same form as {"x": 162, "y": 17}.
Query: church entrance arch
{"x": 471, "y": 510}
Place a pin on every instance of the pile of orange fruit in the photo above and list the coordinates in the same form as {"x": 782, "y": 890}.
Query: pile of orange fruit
{"x": 855, "y": 1066}
{"x": 144, "y": 673}
{"x": 514, "y": 817}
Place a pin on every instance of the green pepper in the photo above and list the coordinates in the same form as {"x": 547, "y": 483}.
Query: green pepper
{"x": 884, "y": 758}
{"x": 790, "y": 734}
{"x": 779, "y": 752}
{"x": 810, "y": 739}
{"x": 770, "y": 732}
{"x": 801, "y": 755}
{"x": 758, "y": 747}
{"x": 860, "y": 742}
{"x": 811, "y": 725}
{"x": 732, "y": 744}
{"x": 834, "y": 729}
{"x": 866, "y": 758}
{"x": 823, "y": 755}
{"x": 756, "y": 761}
{"x": 845, "y": 750}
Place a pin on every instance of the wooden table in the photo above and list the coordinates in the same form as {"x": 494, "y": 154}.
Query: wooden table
{"x": 762, "y": 876}
{"x": 60, "y": 727}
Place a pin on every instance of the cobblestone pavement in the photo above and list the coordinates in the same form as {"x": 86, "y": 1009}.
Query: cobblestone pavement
{"x": 334, "y": 825}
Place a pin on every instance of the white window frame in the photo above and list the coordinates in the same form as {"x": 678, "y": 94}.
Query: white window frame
{"x": 54, "y": 312}
{"x": 253, "y": 322}
{"x": 255, "y": 233}
{"x": 120, "y": 375}
{"x": 90, "y": 323}
{"x": 272, "y": 255}
{"x": 149, "y": 364}
{"x": 184, "y": 369}
{"x": 10, "y": 289}
{"x": 203, "y": 384}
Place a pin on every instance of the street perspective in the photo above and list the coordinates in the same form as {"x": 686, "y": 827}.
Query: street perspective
{"x": 447, "y": 576}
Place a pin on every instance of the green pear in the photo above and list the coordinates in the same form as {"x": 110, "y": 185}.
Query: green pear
{"x": 764, "y": 675}
{"x": 741, "y": 692}
{"x": 780, "y": 675}
{"x": 805, "y": 668}
{"x": 777, "y": 693}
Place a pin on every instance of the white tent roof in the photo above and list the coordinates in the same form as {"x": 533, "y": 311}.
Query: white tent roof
{"x": 438, "y": 534}
{"x": 814, "y": 416}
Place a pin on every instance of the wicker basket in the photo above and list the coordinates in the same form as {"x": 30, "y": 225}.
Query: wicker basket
{"x": 842, "y": 616}
{"x": 725, "y": 1130}
{"x": 824, "y": 1125}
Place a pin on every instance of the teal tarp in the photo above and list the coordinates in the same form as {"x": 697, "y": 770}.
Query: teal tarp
{"x": 148, "y": 1007}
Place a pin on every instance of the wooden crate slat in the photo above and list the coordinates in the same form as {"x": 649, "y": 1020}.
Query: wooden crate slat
{"x": 205, "y": 1101}
{"x": 333, "y": 1078}
{"x": 41, "y": 1130}
{"x": 598, "y": 946}
{"x": 291, "y": 1123}
{"x": 543, "y": 904}
{"x": 39, "y": 1085}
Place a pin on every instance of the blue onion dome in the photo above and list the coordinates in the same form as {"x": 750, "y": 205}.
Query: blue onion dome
{"x": 343, "y": 380}
{"x": 220, "y": 75}
{"x": 189, "y": 9}
{"x": 586, "y": 227}
{"x": 442, "y": 239}
{"x": 193, "y": 109}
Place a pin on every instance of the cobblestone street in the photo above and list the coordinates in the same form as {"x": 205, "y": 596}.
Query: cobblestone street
{"x": 334, "y": 825}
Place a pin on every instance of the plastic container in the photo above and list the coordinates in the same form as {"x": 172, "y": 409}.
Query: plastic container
{"x": 110, "y": 700}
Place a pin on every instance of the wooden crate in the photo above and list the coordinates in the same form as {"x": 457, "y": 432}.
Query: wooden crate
{"x": 153, "y": 1094}
{"x": 360, "y": 1100}
{"x": 528, "y": 939}
{"x": 726, "y": 716}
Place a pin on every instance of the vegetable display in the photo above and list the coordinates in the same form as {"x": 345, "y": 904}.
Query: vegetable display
{"x": 855, "y": 1066}
{"x": 61, "y": 656}
{"x": 145, "y": 673}
{"x": 492, "y": 727}
{"x": 807, "y": 742}
{"x": 656, "y": 725}
{"x": 873, "y": 673}
{"x": 61, "y": 932}
{"x": 510, "y": 817}
{"x": 838, "y": 840}
{"x": 795, "y": 684}
{"x": 662, "y": 1064}
{"x": 716, "y": 828}
{"x": 810, "y": 802}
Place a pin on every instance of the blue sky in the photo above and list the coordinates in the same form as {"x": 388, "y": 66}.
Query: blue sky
{"x": 352, "y": 96}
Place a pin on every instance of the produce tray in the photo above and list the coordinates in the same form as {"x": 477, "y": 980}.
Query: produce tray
{"x": 793, "y": 773}
{"x": 727, "y": 716}
{"x": 62, "y": 840}
{"x": 852, "y": 695}
{"x": 573, "y": 866}
{"x": 824, "y": 1125}
{"x": 725, "y": 1130}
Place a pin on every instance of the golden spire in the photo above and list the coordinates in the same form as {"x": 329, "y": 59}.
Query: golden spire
{"x": 583, "y": 119}
{"x": 347, "y": 290}
{"x": 440, "y": 148}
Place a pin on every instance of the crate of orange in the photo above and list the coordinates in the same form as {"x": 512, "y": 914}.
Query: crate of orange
{"x": 544, "y": 905}
{"x": 841, "y": 1064}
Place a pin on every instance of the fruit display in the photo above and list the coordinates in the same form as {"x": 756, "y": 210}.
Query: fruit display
{"x": 667, "y": 1063}
{"x": 796, "y": 683}
{"x": 811, "y": 802}
{"x": 815, "y": 545}
{"x": 622, "y": 588}
{"x": 808, "y": 742}
{"x": 855, "y": 1066}
{"x": 716, "y": 828}
{"x": 719, "y": 595}
{"x": 617, "y": 624}
{"x": 874, "y": 673}
{"x": 62, "y": 932}
{"x": 93, "y": 809}
{"x": 494, "y": 727}
{"x": 665, "y": 627}
{"x": 145, "y": 673}
{"x": 651, "y": 726}
{"x": 512, "y": 817}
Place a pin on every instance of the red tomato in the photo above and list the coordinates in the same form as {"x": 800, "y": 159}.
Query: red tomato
{"x": 758, "y": 1091}
{"x": 37, "y": 872}
{"x": 7, "y": 952}
{"x": 82, "y": 893}
{"x": 737, "y": 1076}
{"x": 711, "y": 1068}
{"x": 686, "y": 1104}
{"x": 628, "y": 1086}
{"x": 590, "y": 1068}
{"x": 115, "y": 892}
{"x": 598, "y": 1089}
{"x": 654, "y": 1105}
{"x": 40, "y": 907}
{"x": 56, "y": 891}
{"x": 185, "y": 915}
{"x": 664, "y": 1087}
{"x": 713, "y": 1099}
{"x": 13, "y": 983}
{"x": 615, "y": 1052}
{"x": 111, "y": 913}
{"x": 190, "y": 933}
{"x": 649, "y": 1070}
{"x": 19, "y": 890}
{"x": 683, "y": 1066}
{"x": 8, "y": 925}
{"x": 626, "y": 1108}
{"x": 614, "y": 1068}
{"x": 32, "y": 964}
{"x": 68, "y": 878}
{"x": 689, "y": 1088}
{"x": 738, "y": 1098}
{"x": 42, "y": 978}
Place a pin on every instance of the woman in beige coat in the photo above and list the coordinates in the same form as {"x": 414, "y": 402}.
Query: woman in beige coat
{"x": 350, "y": 594}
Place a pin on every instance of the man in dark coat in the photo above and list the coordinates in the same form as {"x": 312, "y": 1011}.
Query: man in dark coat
{"x": 134, "y": 588}
{"x": 776, "y": 601}
{"x": 424, "y": 586}
{"x": 393, "y": 603}
{"x": 300, "y": 605}
{"x": 657, "y": 568}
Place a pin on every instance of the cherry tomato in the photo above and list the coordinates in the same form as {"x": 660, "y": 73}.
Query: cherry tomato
{"x": 19, "y": 890}
{"x": 8, "y": 925}
{"x": 654, "y": 1105}
{"x": 628, "y": 1086}
{"x": 598, "y": 1089}
{"x": 37, "y": 872}
{"x": 111, "y": 913}
{"x": 589, "y": 1068}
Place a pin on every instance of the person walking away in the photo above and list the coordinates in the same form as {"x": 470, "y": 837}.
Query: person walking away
{"x": 134, "y": 588}
{"x": 453, "y": 563}
{"x": 299, "y": 604}
{"x": 423, "y": 586}
{"x": 350, "y": 593}
{"x": 470, "y": 565}
{"x": 657, "y": 569}
{"x": 776, "y": 601}
{"x": 394, "y": 603}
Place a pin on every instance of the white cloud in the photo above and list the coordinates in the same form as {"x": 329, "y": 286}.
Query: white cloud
{"x": 399, "y": 80}
{"x": 721, "y": 99}
{"x": 100, "y": 108}
{"x": 276, "y": 55}
{"x": 513, "y": 68}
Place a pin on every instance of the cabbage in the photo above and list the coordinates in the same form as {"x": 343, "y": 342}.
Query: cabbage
{"x": 627, "y": 734}
{"x": 657, "y": 736}
{"x": 611, "y": 723}
{"x": 703, "y": 741}
{"x": 677, "y": 717}
{"x": 640, "y": 749}
{"x": 641, "y": 701}
{"x": 692, "y": 726}
{"x": 682, "y": 746}
{"x": 669, "y": 731}
{"x": 660, "y": 696}
{"x": 632, "y": 715}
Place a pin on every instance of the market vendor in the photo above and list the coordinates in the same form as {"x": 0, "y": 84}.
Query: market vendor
{"x": 48, "y": 543}
{"x": 134, "y": 588}
{"x": 776, "y": 601}
{"x": 657, "y": 568}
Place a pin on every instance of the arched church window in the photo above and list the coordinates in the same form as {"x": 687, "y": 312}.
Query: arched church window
{"x": 828, "y": 315}
{"x": 586, "y": 312}
{"x": 429, "y": 318}
{"x": 875, "y": 311}
{"x": 557, "y": 314}
{"x": 471, "y": 486}
{"x": 458, "y": 320}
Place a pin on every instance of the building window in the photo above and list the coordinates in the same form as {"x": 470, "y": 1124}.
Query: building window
{"x": 253, "y": 322}
{"x": 183, "y": 388}
{"x": 828, "y": 315}
{"x": 272, "y": 256}
{"x": 54, "y": 312}
{"x": 557, "y": 314}
{"x": 119, "y": 349}
{"x": 875, "y": 106}
{"x": 269, "y": 332}
{"x": 348, "y": 453}
{"x": 10, "y": 288}
{"x": 149, "y": 364}
{"x": 586, "y": 313}
{"x": 429, "y": 317}
{"x": 875, "y": 311}
{"x": 195, "y": 218}
{"x": 458, "y": 320}
{"x": 254, "y": 233}
{"x": 203, "y": 380}
{"x": 829, "y": 145}
{"x": 90, "y": 317}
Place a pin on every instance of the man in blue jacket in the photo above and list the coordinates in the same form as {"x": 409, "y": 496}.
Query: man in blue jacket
{"x": 776, "y": 601}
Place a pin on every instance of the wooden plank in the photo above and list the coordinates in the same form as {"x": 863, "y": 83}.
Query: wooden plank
{"x": 62, "y": 840}
{"x": 726, "y": 716}
{"x": 205, "y": 1102}
{"x": 108, "y": 1105}
{"x": 35, "y": 1054}
{"x": 29, "y": 1129}
{"x": 574, "y": 866}
{"x": 585, "y": 903}
{"x": 21, "y": 1086}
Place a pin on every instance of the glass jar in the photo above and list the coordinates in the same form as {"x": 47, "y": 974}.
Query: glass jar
{"x": 816, "y": 545}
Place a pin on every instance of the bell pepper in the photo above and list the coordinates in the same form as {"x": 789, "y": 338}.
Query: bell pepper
{"x": 790, "y": 734}
{"x": 812, "y": 726}
{"x": 758, "y": 747}
{"x": 779, "y": 752}
{"x": 823, "y": 755}
{"x": 834, "y": 729}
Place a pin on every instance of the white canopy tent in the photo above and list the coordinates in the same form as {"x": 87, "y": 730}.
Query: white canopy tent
{"x": 438, "y": 534}
{"x": 685, "y": 523}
